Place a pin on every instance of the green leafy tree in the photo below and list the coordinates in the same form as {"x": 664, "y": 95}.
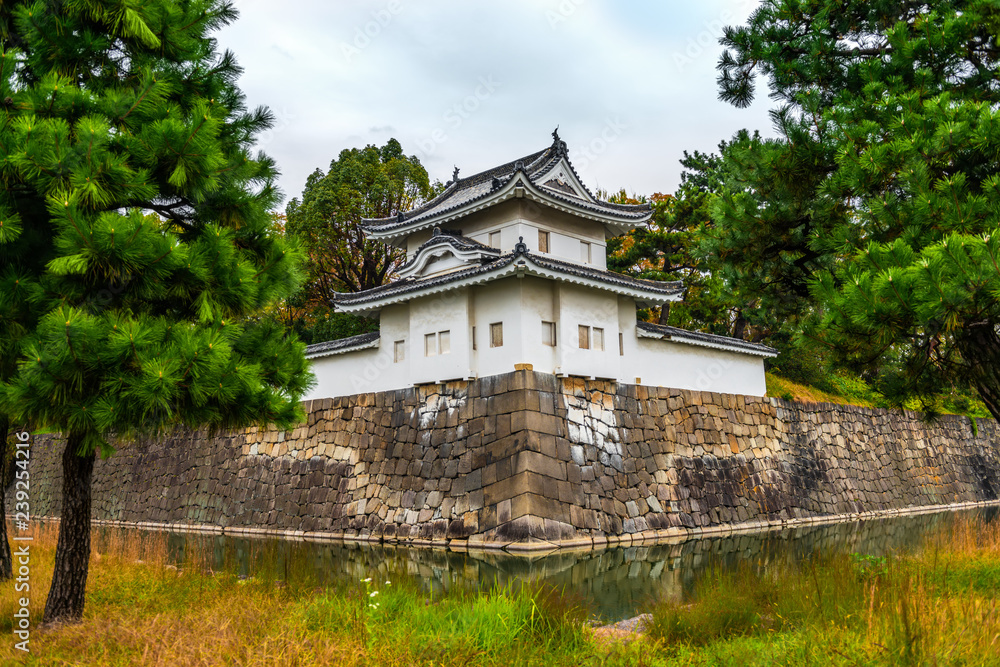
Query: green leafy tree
{"x": 877, "y": 206}
{"x": 670, "y": 248}
{"x": 657, "y": 251}
{"x": 135, "y": 242}
{"x": 370, "y": 182}
{"x": 769, "y": 225}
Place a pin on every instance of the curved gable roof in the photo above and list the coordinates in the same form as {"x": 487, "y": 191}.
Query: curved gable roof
{"x": 463, "y": 196}
{"x": 519, "y": 262}
{"x": 464, "y": 248}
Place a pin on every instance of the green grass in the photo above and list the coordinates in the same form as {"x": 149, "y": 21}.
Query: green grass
{"x": 936, "y": 606}
{"x": 845, "y": 389}
{"x": 788, "y": 389}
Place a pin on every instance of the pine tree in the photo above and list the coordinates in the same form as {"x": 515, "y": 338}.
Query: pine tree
{"x": 135, "y": 242}
{"x": 883, "y": 183}
{"x": 6, "y": 564}
{"x": 657, "y": 251}
{"x": 676, "y": 245}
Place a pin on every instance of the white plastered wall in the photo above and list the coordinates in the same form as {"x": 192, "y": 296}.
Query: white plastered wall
{"x": 444, "y": 312}
{"x": 580, "y": 306}
{"x": 661, "y": 363}
{"x": 538, "y": 303}
{"x": 523, "y": 218}
{"x": 565, "y": 234}
{"x": 372, "y": 369}
{"x": 522, "y": 304}
{"x": 498, "y": 302}
{"x": 668, "y": 364}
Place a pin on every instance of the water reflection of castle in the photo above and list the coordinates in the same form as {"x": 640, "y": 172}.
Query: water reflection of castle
{"x": 616, "y": 582}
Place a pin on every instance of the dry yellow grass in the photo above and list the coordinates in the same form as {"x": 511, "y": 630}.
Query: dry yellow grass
{"x": 782, "y": 388}
{"x": 143, "y": 611}
{"x": 936, "y": 606}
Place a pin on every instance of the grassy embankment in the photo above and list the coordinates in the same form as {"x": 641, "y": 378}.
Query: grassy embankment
{"x": 935, "y": 607}
{"x": 849, "y": 390}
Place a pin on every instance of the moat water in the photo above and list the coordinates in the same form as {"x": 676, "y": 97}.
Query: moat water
{"x": 615, "y": 583}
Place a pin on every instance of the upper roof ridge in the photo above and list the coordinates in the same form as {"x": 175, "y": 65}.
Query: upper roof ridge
{"x": 461, "y": 194}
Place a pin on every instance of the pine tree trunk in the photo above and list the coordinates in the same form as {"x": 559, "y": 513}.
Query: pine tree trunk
{"x": 69, "y": 580}
{"x": 6, "y": 567}
{"x": 664, "y": 313}
{"x": 980, "y": 348}
{"x": 740, "y": 326}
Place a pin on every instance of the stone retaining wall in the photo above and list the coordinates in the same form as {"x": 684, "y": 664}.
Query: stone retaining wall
{"x": 528, "y": 460}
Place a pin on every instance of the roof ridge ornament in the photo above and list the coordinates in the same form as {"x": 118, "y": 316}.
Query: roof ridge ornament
{"x": 436, "y": 232}
{"x": 400, "y": 217}
{"x": 558, "y": 144}
{"x": 454, "y": 176}
{"x": 521, "y": 248}
{"x": 519, "y": 166}
{"x": 496, "y": 183}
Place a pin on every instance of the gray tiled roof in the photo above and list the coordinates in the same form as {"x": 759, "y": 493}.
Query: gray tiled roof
{"x": 461, "y": 243}
{"x": 412, "y": 284}
{"x": 706, "y": 338}
{"x": 479, "y": 186}
{"x": 674, "y": 287}
{"x": 457, "y": 241}
{"x": 341, "y": 345}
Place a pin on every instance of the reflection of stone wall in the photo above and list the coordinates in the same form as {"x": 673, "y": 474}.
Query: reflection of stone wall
{"x": 527, "y": 459}
{"x": 616, "y": 583}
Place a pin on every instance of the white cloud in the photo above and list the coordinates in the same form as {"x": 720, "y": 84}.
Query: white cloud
{"x": 492, "y": 80}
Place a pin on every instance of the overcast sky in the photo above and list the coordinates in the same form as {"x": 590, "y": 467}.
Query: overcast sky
{"x": 474, "y": 84}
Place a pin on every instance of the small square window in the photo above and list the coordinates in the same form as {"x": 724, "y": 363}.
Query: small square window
{"x": 549, "y": 334}
{"x": 584, "y": 337}
{"x": 585, "y": 252}
{"x": 598, "y": 340}
{"x": 496, "y": 334}
{"x": 495, "y": 240}
{"x": 621, "y": 344}
{"x": 399, "y": 351}
{"x": 430, "y": 345}
{"x": 444, "y": 342}
{"x": 543, "y": 241}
